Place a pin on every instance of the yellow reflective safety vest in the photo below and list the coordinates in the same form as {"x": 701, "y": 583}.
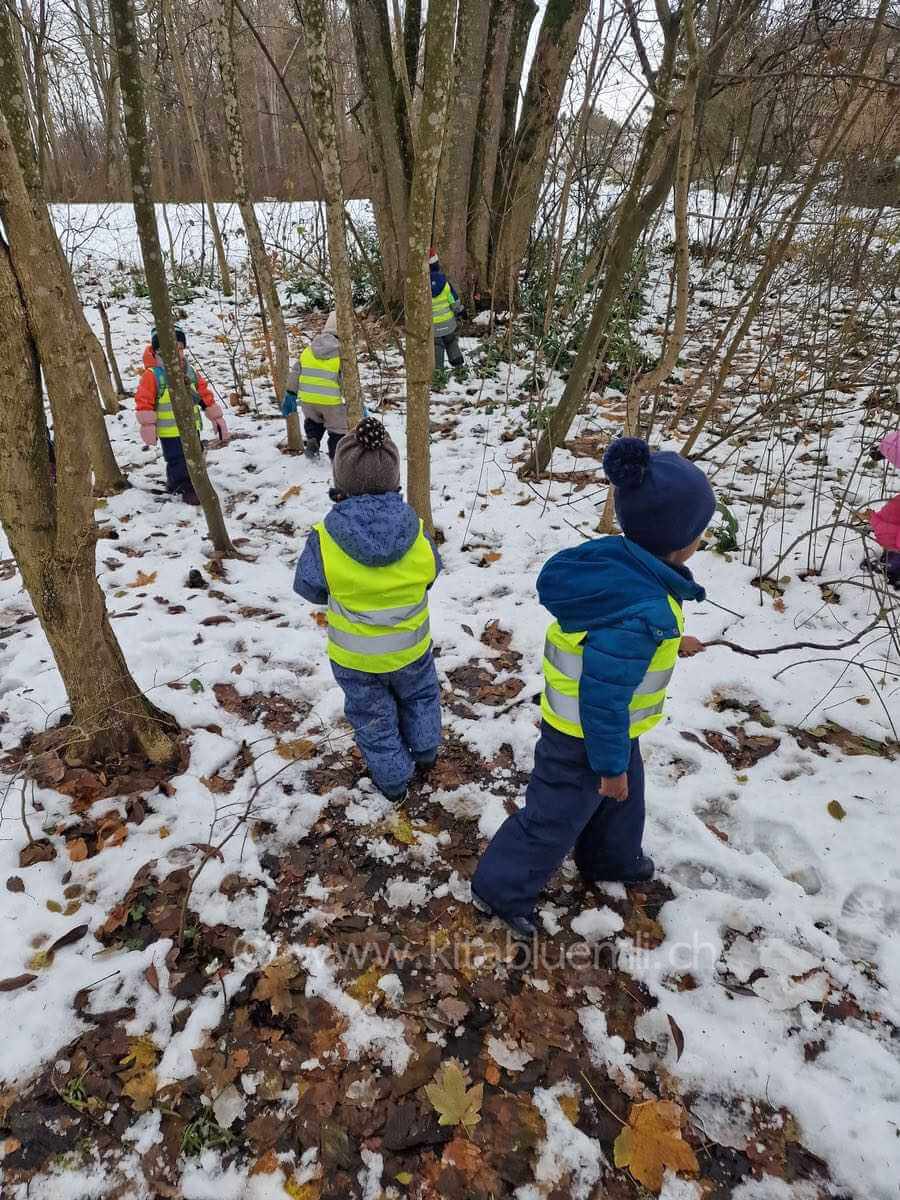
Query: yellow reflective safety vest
{"x": 442, "y": 317}
{"x": 166, "y": 425}
{"x": 377, "y": 616}
{"x": 319, "y": 381}
{"x": 563, "y": 659}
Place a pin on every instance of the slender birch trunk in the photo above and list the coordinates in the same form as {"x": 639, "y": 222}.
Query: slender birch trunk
{"x": 315, "y": 24}
{"x": 125, "y": 34}
{"x": 440, "y": 24}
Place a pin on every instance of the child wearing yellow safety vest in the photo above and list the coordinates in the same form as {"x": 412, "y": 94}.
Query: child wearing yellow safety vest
{"x": 445, "y": 308}
{"x": 608, "y": 657}
{"x": 372, "y": 564}
{"x": 315, "y": 380}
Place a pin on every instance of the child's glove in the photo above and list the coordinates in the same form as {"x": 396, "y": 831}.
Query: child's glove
{"x": 289, "y": 404}
{"x": 217, "y": 419}
{"x": 147, "y": 427}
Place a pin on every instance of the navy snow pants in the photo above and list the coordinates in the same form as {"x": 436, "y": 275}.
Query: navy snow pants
{"x": 177, "y": 477}
{"x": 563, "y": 813}
{"x": 396, "y": 719}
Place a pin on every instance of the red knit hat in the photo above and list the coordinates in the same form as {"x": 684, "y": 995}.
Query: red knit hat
{"x": 432, "y": 256}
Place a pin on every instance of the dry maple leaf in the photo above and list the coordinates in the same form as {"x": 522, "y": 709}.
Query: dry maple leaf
{"x": 296, "y": 750}
{"x": 139, "y": 1079}
{"x": 365, "y": 988}
{"x": 144, "y": 579}
{"x": 274, "y": 985}
{"x": 451, "y": 1097}
{"x": 652, "y": 1141}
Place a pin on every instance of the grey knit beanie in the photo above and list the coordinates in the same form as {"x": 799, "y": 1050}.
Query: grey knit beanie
{"x": 367, "y": 463}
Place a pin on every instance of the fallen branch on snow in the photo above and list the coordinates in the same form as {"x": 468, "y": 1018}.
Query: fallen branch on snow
{"x": 796, "y": 645}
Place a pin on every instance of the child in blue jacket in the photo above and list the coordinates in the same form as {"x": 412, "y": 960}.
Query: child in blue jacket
{"x": 607, "y": 660}
{"x": 372, "y": 564}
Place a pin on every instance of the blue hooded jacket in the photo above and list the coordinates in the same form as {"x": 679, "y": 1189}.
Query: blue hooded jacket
{"x": 618, "y": 592}
{"x": 374, "y": 530}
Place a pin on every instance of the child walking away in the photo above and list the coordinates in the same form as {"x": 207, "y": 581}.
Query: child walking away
{"x": 445, "y": 307}
{"x": 608, "y": 658}
{"x": 372, "y": 564}
{"x": 885, "y": 521}
{"x": 316, "y": 381}
{"x": 156, "y": 417}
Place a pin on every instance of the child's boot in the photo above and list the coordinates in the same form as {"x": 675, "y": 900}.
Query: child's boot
{"x": 523, "y": 927}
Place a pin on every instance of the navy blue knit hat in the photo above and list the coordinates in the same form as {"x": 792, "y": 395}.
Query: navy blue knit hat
{"x": 180, "y": 336}
{"x": 663, "y": 502}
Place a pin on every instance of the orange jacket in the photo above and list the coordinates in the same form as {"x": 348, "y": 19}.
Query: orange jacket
{"x": 145, "y": 396}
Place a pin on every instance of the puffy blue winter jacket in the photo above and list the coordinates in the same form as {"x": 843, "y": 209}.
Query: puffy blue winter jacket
{"x": 375, "y": 530}
{"x": 616, "y": 591}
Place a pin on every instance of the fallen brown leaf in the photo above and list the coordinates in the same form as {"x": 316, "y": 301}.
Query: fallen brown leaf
{"x": 652, "y": 1142}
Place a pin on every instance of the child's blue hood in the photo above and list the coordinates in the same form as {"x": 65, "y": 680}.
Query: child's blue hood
{"x": 438, "y": 280}
{"x": 613, "y": 581}
{"x": 375, "y": 530}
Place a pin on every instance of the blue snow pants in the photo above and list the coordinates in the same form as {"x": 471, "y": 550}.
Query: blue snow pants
{"x": 396, "y": 719}
{"x": 563, "y": 813}
{"x": 177, "y": 477}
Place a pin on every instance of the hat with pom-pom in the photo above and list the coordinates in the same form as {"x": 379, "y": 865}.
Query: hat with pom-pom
{"x": 367, "y": 463}
{"x": 663, "y": 502}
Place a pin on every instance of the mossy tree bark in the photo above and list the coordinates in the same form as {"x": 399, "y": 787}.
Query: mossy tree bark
{"x": 125, "y": 35}
{"x": 389, "y": 139}
{"x": 29, "y": 208}
{"x": 439, "y": 29}
{"x": 557, "y": 42}
{"x": 315, "y": 27}
{"x": 50, "y": 524}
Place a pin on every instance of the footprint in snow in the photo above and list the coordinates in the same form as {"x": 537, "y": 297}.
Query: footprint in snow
{"x": 868, "y": 914}
{"x": 790, "y": 852}
{"x": 703, "y": 878}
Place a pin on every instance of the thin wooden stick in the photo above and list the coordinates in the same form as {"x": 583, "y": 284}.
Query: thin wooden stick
{"x": 796, "y": 645}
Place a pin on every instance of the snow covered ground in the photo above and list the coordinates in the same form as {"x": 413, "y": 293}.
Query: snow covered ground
{"x": 773, "y": 810}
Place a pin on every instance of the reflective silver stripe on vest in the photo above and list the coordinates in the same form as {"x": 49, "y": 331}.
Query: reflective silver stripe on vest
{"x": 318, "y": 389}
{"x": 387, "y": 643}
{"x": 654, "y": 681}
{"x": 641, "y": 714}
{"x": 317, "y": 373}
{"x": 570, "y": 664}
{"x": 380, "y": 616}
{"x": 564, "y": 706}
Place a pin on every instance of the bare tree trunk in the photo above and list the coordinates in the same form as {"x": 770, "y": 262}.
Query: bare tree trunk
{"x": 659, "y": 151}
{"x": 110, "y": 352}
{"x": 487, "y": 144}
{"x": 389, "y": 141}
{"x": 439, "y": 27}
{"x": 23, "y": 213}
{"x": 452, "y": 207}
{"x": 631, "y": 217}
{"x": 412, "y": 30}
{"x": 223, "y": 18}
{"x": 845, "y": 117}
{"x": 125, "y": 35}
{"x": 315, "y": 25}
{"x": 99, "y": 368}
{"x": 199, "y": 150}
{"x": 557, "y": 42}
{"x": 50, "y": 526}
{"x": 651, "y": 380}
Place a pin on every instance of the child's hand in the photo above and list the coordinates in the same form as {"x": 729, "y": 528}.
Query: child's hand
{"x": 690, "y": 646}
{"x": 614, "y": 786}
